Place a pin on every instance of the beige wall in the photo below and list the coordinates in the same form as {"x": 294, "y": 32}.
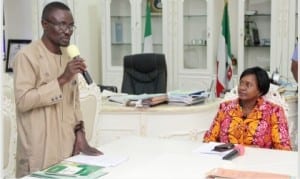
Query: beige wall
{"x": 87, "y": 19}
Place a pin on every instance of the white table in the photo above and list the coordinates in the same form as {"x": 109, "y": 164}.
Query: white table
{"x": 155, "y": 158}
{"x": 162, "y": 121}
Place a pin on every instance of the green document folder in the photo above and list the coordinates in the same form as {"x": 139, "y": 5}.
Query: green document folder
{"x": 71, "y": 170}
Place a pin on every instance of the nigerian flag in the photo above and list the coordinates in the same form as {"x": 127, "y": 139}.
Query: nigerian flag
{"x": 148, "y": 47}
{"x": 224, "y": 64}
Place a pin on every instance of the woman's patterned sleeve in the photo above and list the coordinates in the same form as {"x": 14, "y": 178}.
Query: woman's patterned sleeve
{"x": 213, "y": 133}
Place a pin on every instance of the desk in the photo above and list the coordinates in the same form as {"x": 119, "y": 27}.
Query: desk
{"x": 167, "y": 121}
{"x": 153, "y": 158}
{"x": 163, "y": 121}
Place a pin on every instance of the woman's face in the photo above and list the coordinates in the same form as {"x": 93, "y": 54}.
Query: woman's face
{"x": 248, "y": 89}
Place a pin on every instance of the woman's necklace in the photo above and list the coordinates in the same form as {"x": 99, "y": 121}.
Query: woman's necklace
{"x": 246, "y": 109}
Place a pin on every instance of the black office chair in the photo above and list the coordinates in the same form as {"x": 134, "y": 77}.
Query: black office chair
{"x": 144, "y": 73}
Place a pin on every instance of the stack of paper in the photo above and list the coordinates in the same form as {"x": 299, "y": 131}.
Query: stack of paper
{"x": 154, "y": 100}
{"x": 180, "y": 97}
{"x": 80, "y": 166}
{"x": 100, "y": 160}
{"x": 67, "y": 169}
{"x": 120, "y": 99}
{"x": 142, "y": 100}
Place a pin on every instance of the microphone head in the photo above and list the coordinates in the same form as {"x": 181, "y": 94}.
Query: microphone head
{"x": 73, "y": 51}
{"x": 240, "y": 149}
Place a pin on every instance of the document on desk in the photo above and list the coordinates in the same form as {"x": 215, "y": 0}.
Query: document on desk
{"x": 67, "y": 170}
{"x": 207, "y": 149}
{"x": 236, "y": 174}
{"x": 142, "y": 100}
{"x": 101, "y": 160}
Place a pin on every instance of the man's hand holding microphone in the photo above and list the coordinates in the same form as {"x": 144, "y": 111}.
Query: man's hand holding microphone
{"x": 74, "y": 66}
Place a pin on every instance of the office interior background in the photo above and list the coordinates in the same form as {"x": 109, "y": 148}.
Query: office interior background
{"x": 263, "y": 33}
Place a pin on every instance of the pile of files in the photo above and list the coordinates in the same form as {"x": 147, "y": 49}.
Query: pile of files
{"x": 186, "y": 98}
{"x": 142, "y": 100}
{"x": 153, "y": 100}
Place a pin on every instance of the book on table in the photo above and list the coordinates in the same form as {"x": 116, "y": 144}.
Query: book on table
{"x": 66, "y": 169}
{"x": 154, "y": 100}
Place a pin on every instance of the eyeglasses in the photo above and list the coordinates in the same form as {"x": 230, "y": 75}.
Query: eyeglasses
{"x": 62, "y": 26}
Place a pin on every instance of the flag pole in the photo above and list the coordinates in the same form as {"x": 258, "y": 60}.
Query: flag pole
{"x": 148, "y": 44}
{"x": 224, "y": 64}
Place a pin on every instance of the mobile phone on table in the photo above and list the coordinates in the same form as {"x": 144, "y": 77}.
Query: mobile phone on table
{"x": 223, "y": 147}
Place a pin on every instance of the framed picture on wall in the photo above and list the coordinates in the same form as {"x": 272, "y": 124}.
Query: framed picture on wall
{"x": 156, "y": 6}
{"x": 14, "y": 45}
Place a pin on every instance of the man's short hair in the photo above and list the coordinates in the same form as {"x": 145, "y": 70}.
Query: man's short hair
{"x": 49, "y": 8}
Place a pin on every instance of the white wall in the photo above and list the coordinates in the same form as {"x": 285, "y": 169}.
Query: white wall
{"x": 17, "y": 19}
{"x": 87, "y": 20}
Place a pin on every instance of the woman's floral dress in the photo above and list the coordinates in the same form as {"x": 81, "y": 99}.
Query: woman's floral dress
{"x": 265, "y": 126}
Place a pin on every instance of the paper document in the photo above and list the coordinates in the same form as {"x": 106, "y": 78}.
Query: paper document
{"x": 121, "y": 99}
{"x": 101, "y": 160}
{"x": 186, "y": 98}
{"x": 207, "y": 149}
{"x": 236, "y": 174}
{"x": 107, "y": 93}
{"x": 142, "y": 100}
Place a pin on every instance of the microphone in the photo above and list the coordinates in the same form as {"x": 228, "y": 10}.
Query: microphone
{"x": 74, "y": 53}
{"x": 238, "y": 150}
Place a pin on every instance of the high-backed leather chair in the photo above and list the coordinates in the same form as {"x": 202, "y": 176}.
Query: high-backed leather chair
{"x": 144, "y": 73}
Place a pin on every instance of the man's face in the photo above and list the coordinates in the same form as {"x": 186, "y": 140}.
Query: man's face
{"x": 58, "y": 28}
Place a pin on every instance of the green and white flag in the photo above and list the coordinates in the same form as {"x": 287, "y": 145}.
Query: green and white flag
{"x": 224, "y": 64}
{"x": 148, "y": 45}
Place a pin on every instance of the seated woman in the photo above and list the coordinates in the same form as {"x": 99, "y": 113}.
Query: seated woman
{"x": 249, "y": 119}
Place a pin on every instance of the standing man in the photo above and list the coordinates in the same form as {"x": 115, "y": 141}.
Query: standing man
{"x": 294, "y": 65}
{"x": 49, "y": 120}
